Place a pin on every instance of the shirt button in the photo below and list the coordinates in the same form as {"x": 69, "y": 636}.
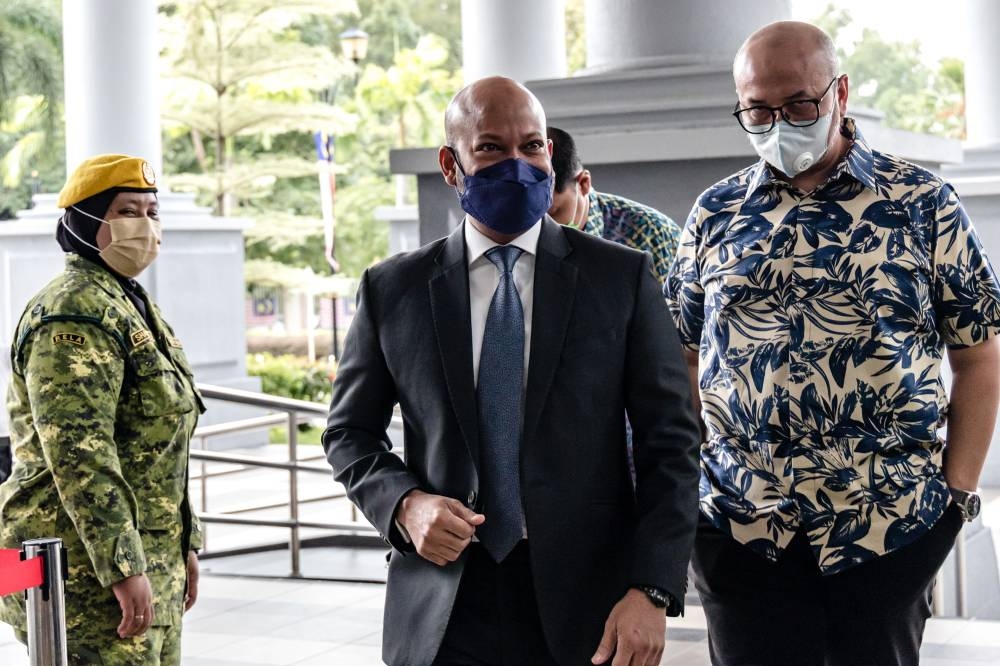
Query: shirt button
{"x": 471, "y": 499}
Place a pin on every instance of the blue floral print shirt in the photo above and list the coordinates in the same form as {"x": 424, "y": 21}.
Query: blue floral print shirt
{"x": 820, "y": 320}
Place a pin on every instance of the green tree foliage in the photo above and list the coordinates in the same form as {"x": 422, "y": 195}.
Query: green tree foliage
{"x": 30, "y": 52}
{"x": 361, "y": 239}
{"x": 292, "y": 376}
{"x": 410, "y": 95}
{"x": 891, "y": 77}
{"x": 399, "y": 104}
{"x": 258, "y": 99}
{"x": 576, "y": 36}
{"x": 237, "y": 69}
{"x": 31, "y": 91}
{"x": 393, "y": 25}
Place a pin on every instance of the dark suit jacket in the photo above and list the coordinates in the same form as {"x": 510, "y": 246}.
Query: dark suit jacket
{"x": 602, "y": 344}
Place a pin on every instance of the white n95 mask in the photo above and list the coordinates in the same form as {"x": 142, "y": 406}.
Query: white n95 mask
{"x": 792, "y": 150}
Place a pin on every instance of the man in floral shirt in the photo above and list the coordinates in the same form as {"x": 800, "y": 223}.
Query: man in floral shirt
{"x": 817, "y": 292}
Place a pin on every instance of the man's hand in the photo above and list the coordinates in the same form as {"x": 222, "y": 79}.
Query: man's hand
{"x": 191, "y": 595}
{"x": 439, "y": 527}
{"x": 634, "y": 633}
{"x": 135, "y": 596}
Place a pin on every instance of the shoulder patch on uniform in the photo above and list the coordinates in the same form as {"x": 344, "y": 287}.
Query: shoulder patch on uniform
{"x": 141, "y": 338}
{"x": 72, "y": 338}
{"x": 174, "y": 342}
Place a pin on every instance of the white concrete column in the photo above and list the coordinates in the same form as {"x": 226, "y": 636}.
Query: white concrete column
{"x": 635, "y": 34}
{"x": 522, "y": 39}
{"x": 982, "y": 72}
{"x": 111, "y": 64}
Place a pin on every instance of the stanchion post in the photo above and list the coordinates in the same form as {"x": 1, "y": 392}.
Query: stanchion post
{"x": 294, "y": 542}
{"x": 961, "y": 582}
{"x": 46, "y": 605}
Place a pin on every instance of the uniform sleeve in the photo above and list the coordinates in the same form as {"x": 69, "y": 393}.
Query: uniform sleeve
{"x": 196, "y": 538}
{"x": 74, "y": 373}
{"x": 682, "y": 288}
{"x": 966, "y": 291}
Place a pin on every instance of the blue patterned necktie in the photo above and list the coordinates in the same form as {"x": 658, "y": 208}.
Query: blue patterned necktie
{"x": 501, "y": 372}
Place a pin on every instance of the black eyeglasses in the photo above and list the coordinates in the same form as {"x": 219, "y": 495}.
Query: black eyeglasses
{"x": 760, "y": 119}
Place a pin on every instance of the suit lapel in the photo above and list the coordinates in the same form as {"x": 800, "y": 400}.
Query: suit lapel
{"x": 555, "y": 287}
{"x": 449, "y": 294}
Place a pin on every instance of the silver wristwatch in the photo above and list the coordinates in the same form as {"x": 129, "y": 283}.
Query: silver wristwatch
{"x": 969, "y": 503}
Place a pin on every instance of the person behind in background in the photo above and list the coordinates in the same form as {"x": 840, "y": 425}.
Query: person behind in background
{"x": 102, "y": 407}
{"x": 817, "y": 292}
{"x": 611, "y": 217}
{"x": 514, "y": 348}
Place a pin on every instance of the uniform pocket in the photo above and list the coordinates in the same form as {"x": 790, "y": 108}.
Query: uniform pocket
{"x": 162, "y": 391}
{"x": 180, "y": 360}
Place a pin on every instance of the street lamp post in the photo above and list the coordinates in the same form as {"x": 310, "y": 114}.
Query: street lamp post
{"x": 354, "y": 45}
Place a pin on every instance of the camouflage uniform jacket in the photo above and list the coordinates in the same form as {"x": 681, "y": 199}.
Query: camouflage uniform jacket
{"x": 102, "y": 409}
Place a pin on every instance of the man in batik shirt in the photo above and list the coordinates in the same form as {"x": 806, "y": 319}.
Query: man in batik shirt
{"x": 613, "y": 218}
{"x": 817, "y": 292}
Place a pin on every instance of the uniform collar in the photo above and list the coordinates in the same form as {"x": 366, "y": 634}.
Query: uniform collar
{"x": 94, "y": 273}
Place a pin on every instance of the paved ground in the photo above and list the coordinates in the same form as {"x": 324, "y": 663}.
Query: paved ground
{"x": 241, "y": 619}
{"x": 312, "y": 623}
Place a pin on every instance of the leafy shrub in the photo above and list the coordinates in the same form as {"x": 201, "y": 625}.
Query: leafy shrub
{"x": 292, "y": 376}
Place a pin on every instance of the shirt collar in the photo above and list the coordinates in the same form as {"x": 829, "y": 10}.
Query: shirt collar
{"x": 476, "y": 244}
{"x": 857, "y": 163}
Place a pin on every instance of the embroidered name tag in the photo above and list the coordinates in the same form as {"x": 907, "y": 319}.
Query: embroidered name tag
{"x": 141, "y": 338}
{"x": 72, "y": 338}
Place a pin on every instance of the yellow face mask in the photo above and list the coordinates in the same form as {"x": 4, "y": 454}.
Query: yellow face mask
{"x": 135, "y": 243}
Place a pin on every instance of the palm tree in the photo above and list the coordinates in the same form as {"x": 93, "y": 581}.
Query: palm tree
{"x": 30, "y": 54}
{"x": 31, "y": 94}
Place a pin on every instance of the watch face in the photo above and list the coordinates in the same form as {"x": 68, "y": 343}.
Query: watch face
{"x": 972, "y": 506}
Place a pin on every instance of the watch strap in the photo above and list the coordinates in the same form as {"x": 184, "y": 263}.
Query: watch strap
{"x": 660, "y": 598}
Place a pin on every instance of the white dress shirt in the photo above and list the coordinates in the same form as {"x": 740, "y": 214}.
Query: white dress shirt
{"x": 484, "y": 277}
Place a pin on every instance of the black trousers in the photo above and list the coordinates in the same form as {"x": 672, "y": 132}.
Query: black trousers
{"x": 5, "y": 457}
{"x": 495, "y": 621}
{"x": 784, "y": 613}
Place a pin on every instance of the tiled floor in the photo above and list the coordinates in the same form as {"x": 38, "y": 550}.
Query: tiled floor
{"x": 313, "y": 623}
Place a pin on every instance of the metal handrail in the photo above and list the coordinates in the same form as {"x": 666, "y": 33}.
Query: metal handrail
{"x": 292, "y": 409}
{"x": 264, "y": 400}
{"x": 226, "y": 519}
{"x": 217, "y": 456}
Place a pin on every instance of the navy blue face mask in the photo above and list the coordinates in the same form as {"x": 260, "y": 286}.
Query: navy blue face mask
{"x": 508, "y": 197}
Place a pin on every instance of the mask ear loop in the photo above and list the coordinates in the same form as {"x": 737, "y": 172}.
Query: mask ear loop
{"x": 75, "y": 235}
{"x": 461, "y": 169}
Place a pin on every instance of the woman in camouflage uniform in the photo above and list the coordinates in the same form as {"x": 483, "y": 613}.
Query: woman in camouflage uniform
{"x": 102, "y": 406}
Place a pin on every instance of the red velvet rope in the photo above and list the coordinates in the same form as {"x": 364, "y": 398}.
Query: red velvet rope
{"x": 16, "y": 575}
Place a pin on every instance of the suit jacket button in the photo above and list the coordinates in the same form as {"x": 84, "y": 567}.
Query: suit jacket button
{"x": 471, "y": 499}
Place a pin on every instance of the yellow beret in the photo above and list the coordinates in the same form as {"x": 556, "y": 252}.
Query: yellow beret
{"x": 102, "y": 172}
